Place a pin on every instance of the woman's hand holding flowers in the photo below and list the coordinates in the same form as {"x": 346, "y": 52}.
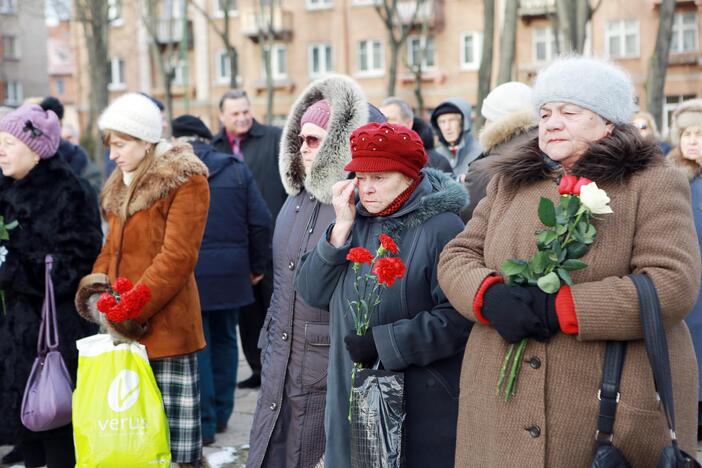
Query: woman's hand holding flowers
{"x": 362, "y": 348}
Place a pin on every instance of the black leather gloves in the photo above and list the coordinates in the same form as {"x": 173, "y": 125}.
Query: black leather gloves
{"x": 518, "y": 312}
{"x": 362, "y": 348}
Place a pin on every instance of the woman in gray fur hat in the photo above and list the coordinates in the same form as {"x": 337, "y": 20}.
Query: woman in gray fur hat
{"x": 288, "y": 427}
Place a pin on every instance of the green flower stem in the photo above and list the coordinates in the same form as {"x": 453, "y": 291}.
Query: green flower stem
{"x": 356, "y": 366}
{"x": 2, "y": 299}
{"x": 510, "y": 391}
{"x": 503, "y": 369}
{"x": 571, "y": 227}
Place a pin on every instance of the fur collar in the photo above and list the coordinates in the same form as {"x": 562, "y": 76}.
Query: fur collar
{"x": 691, "y": 168}
{"x": 612, "y": 159}
{"x": 349, "y": 111}
{"x": 506, "y": 128}
{"x": 437, "y": 193}
{"x": 172, "y": 167}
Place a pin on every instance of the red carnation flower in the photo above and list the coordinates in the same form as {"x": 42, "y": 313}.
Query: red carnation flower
{"x": 118, "y": 313}
{"x": 388, "y": 244}
{"x": 581, "y": 183}
{"x": 360, "y": 255}
{"x": 122, "y": 285}
{"x": 105, "y": 302}
{"x": 567, "y": 185}
{"x": 388, "y": 270}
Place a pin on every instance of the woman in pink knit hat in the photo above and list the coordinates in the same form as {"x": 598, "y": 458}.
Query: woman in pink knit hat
{"x": 56, "y": 213}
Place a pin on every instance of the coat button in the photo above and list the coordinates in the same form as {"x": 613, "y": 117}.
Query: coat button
{"x": 291, "y": 265}
{"x": 284, "y": 336}
{"x": 534, "y": 431}
{"x": 297, "y": 208}
{"x": 534, "y": 362}
{"x": 273, "y": 406}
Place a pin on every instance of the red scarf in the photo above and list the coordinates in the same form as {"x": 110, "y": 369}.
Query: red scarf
{"x": 397, "y": 203}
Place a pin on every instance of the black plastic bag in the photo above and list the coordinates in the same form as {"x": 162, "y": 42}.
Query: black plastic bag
{"x": 377, "y": 419}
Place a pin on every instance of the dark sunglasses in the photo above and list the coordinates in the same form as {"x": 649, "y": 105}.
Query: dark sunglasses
{"x": 29, "y": 127}
{"x": 311, "y": 140}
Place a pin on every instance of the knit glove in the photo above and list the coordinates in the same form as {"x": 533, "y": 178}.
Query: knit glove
{"x": 362, "y": 348}
{"x": 519, "y": 312}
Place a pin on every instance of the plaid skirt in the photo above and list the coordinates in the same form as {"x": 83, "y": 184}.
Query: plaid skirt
{"x": 177, "y": 378}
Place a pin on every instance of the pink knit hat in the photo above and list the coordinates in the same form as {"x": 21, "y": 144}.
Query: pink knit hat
{"x": 38, "y": 129}
{"x": 318, "y": 114}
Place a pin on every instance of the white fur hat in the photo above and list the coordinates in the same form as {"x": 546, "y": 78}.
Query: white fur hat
{"x": 687, "y": 114}
{"x": 135, "y": 115}
{"x": 506, "y": 99}
{"x": 592, "y": 83}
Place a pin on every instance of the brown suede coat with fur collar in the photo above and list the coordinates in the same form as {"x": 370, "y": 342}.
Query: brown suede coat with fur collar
{"x": 551, "y": 421}
{"x": 160, "y": 243}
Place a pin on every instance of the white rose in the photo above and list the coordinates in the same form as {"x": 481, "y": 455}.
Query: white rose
{"x": 3, "y": 254}
{"x": 595, "y": 199}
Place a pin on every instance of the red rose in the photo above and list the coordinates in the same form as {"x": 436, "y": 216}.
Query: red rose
{"x": 581, "y": 183}
{"x": 567, "y": 185}
{"x": 389, "y": 269}
{"x": 360, "y": 255}
{"x": 105, "y": 302}
{"x": 388, "y": 244}
{"x": 122, "y": 285}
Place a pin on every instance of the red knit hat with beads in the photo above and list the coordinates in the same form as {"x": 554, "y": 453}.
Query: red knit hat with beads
{"x": 384, "y": 147}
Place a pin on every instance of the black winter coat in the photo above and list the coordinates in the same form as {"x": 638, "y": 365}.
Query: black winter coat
{"x": 58, "y": 215}
{"x": 237, "y": 238}
{"x": 260, "y": 149}
{"x": 78, "y": 160}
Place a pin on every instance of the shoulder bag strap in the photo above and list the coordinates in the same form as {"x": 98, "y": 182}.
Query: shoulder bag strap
{"x": 609, "y": 390}
{"x": 48, "y": 339}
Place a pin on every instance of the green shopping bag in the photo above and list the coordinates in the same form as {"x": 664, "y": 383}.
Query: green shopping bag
{"x": 118, "y": 416}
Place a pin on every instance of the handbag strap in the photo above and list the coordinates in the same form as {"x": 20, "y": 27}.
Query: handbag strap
{"x": 656, "y": 346}
{"x": 48, "y": 330}
{"x": 609, "y": 390}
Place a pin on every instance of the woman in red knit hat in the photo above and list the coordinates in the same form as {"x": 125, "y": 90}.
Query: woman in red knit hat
{"x": 414, "y": 330}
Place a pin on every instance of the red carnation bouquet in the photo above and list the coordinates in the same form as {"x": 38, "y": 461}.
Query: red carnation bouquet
{"x": 123, "y": 301}
{"x": 384, "y": 269}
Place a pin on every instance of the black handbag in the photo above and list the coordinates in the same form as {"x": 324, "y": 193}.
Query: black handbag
{"x": 606, "y": 455}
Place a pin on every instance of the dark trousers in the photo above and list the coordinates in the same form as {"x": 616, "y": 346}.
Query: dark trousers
{"x": 251, "y": 320}
{"x": 53, "y": 448}
{"x": 217, "y": 364}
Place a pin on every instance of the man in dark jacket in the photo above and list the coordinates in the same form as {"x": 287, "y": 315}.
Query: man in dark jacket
{"x": 452, "y": 122}
{"x": 235, "y": 250}
{"x": 399, "y": 112}
{"x": 258, "y": 146}
{"x": 75, "y": 156}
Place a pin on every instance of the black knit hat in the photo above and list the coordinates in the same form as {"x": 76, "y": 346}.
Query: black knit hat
{"x": 189, "y": 125}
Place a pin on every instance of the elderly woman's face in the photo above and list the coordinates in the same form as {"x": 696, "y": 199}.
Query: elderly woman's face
{"x": 567, "y": 130}
{"x": 16, "y": 159}
{"x": 311, "y": 138}
{"x": 691, "y": 143}
{"x": 378, "y": 189}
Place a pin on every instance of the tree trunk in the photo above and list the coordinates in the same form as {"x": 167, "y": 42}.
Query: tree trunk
{"x": 507, "y": 42}
{"x": 233, "y": 67}
{"x": 392, "y": 72}
{"x": 582, "y": 16}
{"x": 565, "y": 12}
{"x": 658, "y": 65}
{"x": 485, "y": 71}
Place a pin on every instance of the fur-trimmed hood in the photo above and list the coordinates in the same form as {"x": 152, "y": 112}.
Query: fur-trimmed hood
{"x": 171, "y": 168}
{"x": 691, "y": 168}
{"x": 506, "y": 128}
{"x": 437, "y": 193}
{"x": 612, "y": 159}
{"x": 349, "y": 111}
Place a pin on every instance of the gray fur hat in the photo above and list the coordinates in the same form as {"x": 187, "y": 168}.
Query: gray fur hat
{"x": 592, "y": 83}
{"x": 687, "y": 114}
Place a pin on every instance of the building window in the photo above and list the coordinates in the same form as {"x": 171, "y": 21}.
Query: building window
{"x": 173, "y": 8}
{"x": 320, "y": 58}
{"x": 223, "y": 70}
{"x": 318, "y": 4}
{"x": 471, "y": 50}
{"x": 370, "y": 57}
{"x": 60, "y": 87}
{"x": 8, "y": 7}
{"x": 13, "y": 93}
{"x": 116, "y": 75}
{"x": 684, "y": 32}
{"x": 179, "y": 75}
{"x": 279, "y": 65}
{"x": 671, "y": 102}
{"x": 365, "y": 2}
{"x": 418, "y": 45}
{"x": 544, "y": 44}
{"x": 10, "y": 47}
{"x": 622, "y": 38}
{"x": 114, "y": 12}
{"x": 221, "y": 5}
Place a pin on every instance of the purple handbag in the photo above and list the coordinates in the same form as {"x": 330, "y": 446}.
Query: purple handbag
{"x": 47, "y": 397}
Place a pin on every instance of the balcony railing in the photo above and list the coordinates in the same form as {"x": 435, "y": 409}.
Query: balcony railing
{"x": 279, "y": 22}
{"x": 536, "y": 7}
{"x": 169, "y": 31}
